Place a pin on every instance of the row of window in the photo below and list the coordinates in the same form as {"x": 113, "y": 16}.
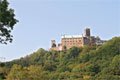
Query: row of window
{"x": 73, "y": 44}
{"x": 72, "y": 41}
{"x": 71, "y": 38}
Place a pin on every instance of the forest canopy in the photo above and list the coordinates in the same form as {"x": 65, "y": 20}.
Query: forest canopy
{"x": 84, "y": 63}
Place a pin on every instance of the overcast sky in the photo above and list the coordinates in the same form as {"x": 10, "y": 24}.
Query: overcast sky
{"x": 43, "y": 20}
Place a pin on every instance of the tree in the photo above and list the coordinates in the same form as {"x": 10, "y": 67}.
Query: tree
{"x": 3, "y": 72}
{"x": 93, "y": 68}
{"x": 14, "y": 72}
{"x": 7, "y": 22}
{"x": 53, "y": 45}
{"x": 64, "y": 47}
{"x": 98, "y": 38}
{"x": 73, "y": 52}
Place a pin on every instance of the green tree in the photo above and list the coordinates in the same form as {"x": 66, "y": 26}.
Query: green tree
{"x": 98, "y": 38}
{"x": 93, "y": 68}
{"x": 3, "y": 72}
{"x": 7, "y": 22}
{"x": 115, "y": 65}
{"x": 53, "y": 45}
{"x": 74, "y": 52}
{"x": 14, "y": 72}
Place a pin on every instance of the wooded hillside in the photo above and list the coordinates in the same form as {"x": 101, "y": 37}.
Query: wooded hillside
{"x": 85, "y": 63}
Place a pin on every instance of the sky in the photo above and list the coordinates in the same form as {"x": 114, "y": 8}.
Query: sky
{"x": 41, "y": 21}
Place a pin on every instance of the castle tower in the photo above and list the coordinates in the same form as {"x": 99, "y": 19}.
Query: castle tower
{"x": 53, "y": 43}
{"x": 87, "y": 32}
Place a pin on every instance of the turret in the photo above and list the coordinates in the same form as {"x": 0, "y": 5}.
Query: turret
{"x": 87, "y": 32}
{"x": 53, "y": 43}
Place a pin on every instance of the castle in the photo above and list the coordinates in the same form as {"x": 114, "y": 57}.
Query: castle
{"x": 68, "y": 41}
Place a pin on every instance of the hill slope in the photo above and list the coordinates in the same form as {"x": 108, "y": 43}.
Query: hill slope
{"x": 87, "y": 63}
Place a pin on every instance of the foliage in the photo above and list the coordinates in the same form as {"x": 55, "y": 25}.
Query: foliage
{"x": 53, "y": 45}
{"x": 7, "y": 22}
{"x": 85, "y": 63}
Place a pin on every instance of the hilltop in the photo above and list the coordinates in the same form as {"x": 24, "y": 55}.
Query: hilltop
{"x": 84, "y": 63}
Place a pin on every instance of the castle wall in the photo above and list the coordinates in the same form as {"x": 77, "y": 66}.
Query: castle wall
{"x": 70, "y": 42}
{"x": 86, "y": 41}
